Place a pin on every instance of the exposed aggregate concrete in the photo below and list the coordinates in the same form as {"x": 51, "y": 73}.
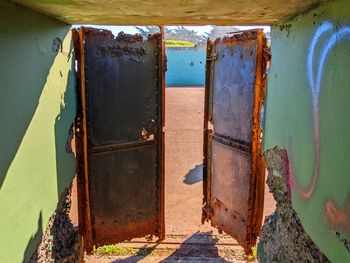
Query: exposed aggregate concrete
{"x": 283, "y": 238}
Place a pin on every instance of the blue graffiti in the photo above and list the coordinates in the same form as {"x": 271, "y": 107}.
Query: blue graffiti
{"x": 334, "y": 36}
{"x": 324, "y": 28}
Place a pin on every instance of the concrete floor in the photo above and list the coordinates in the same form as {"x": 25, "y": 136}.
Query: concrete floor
{"x": 185, "y": 235}
{"x": 183, "y": 162}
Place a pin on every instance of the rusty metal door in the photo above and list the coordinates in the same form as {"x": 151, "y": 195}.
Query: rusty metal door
{"x": 119, "y": 134}
{"x": 233, "y": 165}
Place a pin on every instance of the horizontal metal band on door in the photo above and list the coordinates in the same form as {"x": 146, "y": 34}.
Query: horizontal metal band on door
{"x": 122, "y": 146}
{"x": 236, "y": 144}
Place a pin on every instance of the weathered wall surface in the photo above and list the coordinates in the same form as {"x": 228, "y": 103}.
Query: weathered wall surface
{"x": 283, "y": 238}
{"x": 185, "y": 66}
{"x": 37, "y": 108}
{"x": 307, "y": 113}
{"x": 164, "y": 12}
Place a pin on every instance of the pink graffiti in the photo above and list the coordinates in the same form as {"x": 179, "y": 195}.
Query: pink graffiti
{"x": 290, "y": 181}
{"x": 338, "y": 216}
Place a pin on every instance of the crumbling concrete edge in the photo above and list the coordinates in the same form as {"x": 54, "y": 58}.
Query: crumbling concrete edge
{"x": 283, "y": 238}
{"x": 61, "y": 241}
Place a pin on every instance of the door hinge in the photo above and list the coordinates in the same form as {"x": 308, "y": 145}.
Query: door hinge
{"x": 213, "y": 57}
{"x": 207, "y": 210}
{"x": 165, "y": 64}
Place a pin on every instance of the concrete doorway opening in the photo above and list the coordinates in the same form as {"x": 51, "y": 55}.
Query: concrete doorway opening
{"x": 184, "y": 110}
{"x": 185, "y": 114}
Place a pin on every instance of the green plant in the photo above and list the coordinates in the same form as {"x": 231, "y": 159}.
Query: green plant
{"x": 253, "y": 255}
{"x": 114, "y": 250}
{"x": 178, "y": 43}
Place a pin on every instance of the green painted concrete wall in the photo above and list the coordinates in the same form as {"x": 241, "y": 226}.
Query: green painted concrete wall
{"x": 37, "y": 99}
{"x": 308, "y": 113}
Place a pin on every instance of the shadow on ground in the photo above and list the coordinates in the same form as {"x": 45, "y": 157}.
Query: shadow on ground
{"x": 201, "y": 246}
{"x": 142, "y": 253}
{"x": 190, "y": 249}
{"x": 195, "y": 175}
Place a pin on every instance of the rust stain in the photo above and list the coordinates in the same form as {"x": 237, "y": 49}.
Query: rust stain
{"x": 106, "y": 234}
{"x": 95, "y": 231}
{"x": 253, "y": 219}
{"x": 129, "y": 38}
{"x": 88, "y": 229}
{"x": 257, "y": 181}
{"x": 85, "y": 227}
{"x": 242, "y": 36}
{"x": 218, "y": 203}
{"x": 161, "y": 99}
{"x": 206, "y": 211}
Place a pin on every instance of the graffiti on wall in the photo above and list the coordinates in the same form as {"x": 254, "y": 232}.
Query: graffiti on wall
{"x": 325, "y": 38}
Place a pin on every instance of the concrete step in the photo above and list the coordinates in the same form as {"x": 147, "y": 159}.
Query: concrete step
{"x": 178, "y": 248}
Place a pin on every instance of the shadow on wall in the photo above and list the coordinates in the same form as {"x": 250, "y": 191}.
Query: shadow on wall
{"x": 60, "y": 242}
{"x": 18, "y": 106}
{"x": 63, "y": 137}
{"x": 64, "y": 158}
{"x": 37, "y": 98}
{"x": 64, "y": 155}
{"x": 29, "y": 52}
{"x": 33, "y": 241}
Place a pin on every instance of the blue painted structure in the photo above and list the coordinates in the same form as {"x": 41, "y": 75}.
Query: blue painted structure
{"x": 186, "y": 66}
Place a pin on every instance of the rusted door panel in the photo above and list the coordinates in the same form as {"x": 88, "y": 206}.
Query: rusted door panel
{"x": 121, "y": 185}
{"x": 234, "y": 171}
{"x": 230, "y": 171}
{"x": 123, "y": 189}
{"x": 125, "y": 101}
{"x": 233, "y": 92}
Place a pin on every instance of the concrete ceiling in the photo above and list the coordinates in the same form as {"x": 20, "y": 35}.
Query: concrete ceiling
{"x": 166, "y": 12}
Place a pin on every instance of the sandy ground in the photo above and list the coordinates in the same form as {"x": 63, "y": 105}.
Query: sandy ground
{"x": 183, "y": 160}
{"x": 183, "y": 188}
